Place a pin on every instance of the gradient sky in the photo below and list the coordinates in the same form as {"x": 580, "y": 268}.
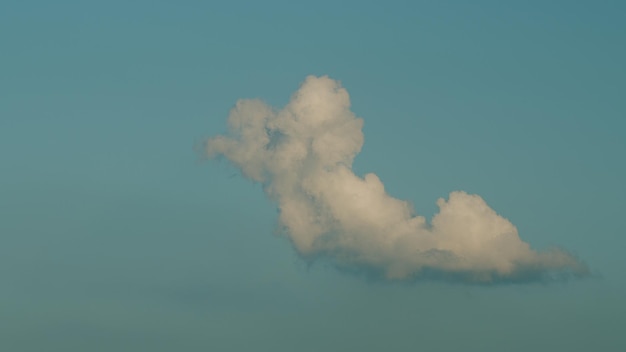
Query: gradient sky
{"x": 116, "y": 235}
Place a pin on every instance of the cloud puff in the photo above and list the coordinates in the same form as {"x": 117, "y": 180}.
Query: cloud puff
{"x": 303, "y": 156}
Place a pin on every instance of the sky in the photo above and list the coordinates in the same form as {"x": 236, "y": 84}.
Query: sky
{"x": 119, "y": 233}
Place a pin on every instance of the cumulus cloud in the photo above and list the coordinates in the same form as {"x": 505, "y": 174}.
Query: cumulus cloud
{"x": 303, "y": 153}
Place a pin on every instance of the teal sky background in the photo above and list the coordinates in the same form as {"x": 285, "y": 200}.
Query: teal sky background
{"x": 115, "y": 235}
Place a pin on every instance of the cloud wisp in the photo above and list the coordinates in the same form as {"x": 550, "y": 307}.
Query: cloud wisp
{"x": 303, "y": 153}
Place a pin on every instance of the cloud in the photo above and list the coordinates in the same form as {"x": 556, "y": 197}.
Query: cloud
{"x": 303, "y": 153}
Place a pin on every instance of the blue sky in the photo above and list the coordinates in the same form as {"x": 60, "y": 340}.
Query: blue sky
{"x": 116, "y": 235}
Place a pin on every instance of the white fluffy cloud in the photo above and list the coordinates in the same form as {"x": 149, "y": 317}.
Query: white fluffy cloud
{"x": 303, "y": 156}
